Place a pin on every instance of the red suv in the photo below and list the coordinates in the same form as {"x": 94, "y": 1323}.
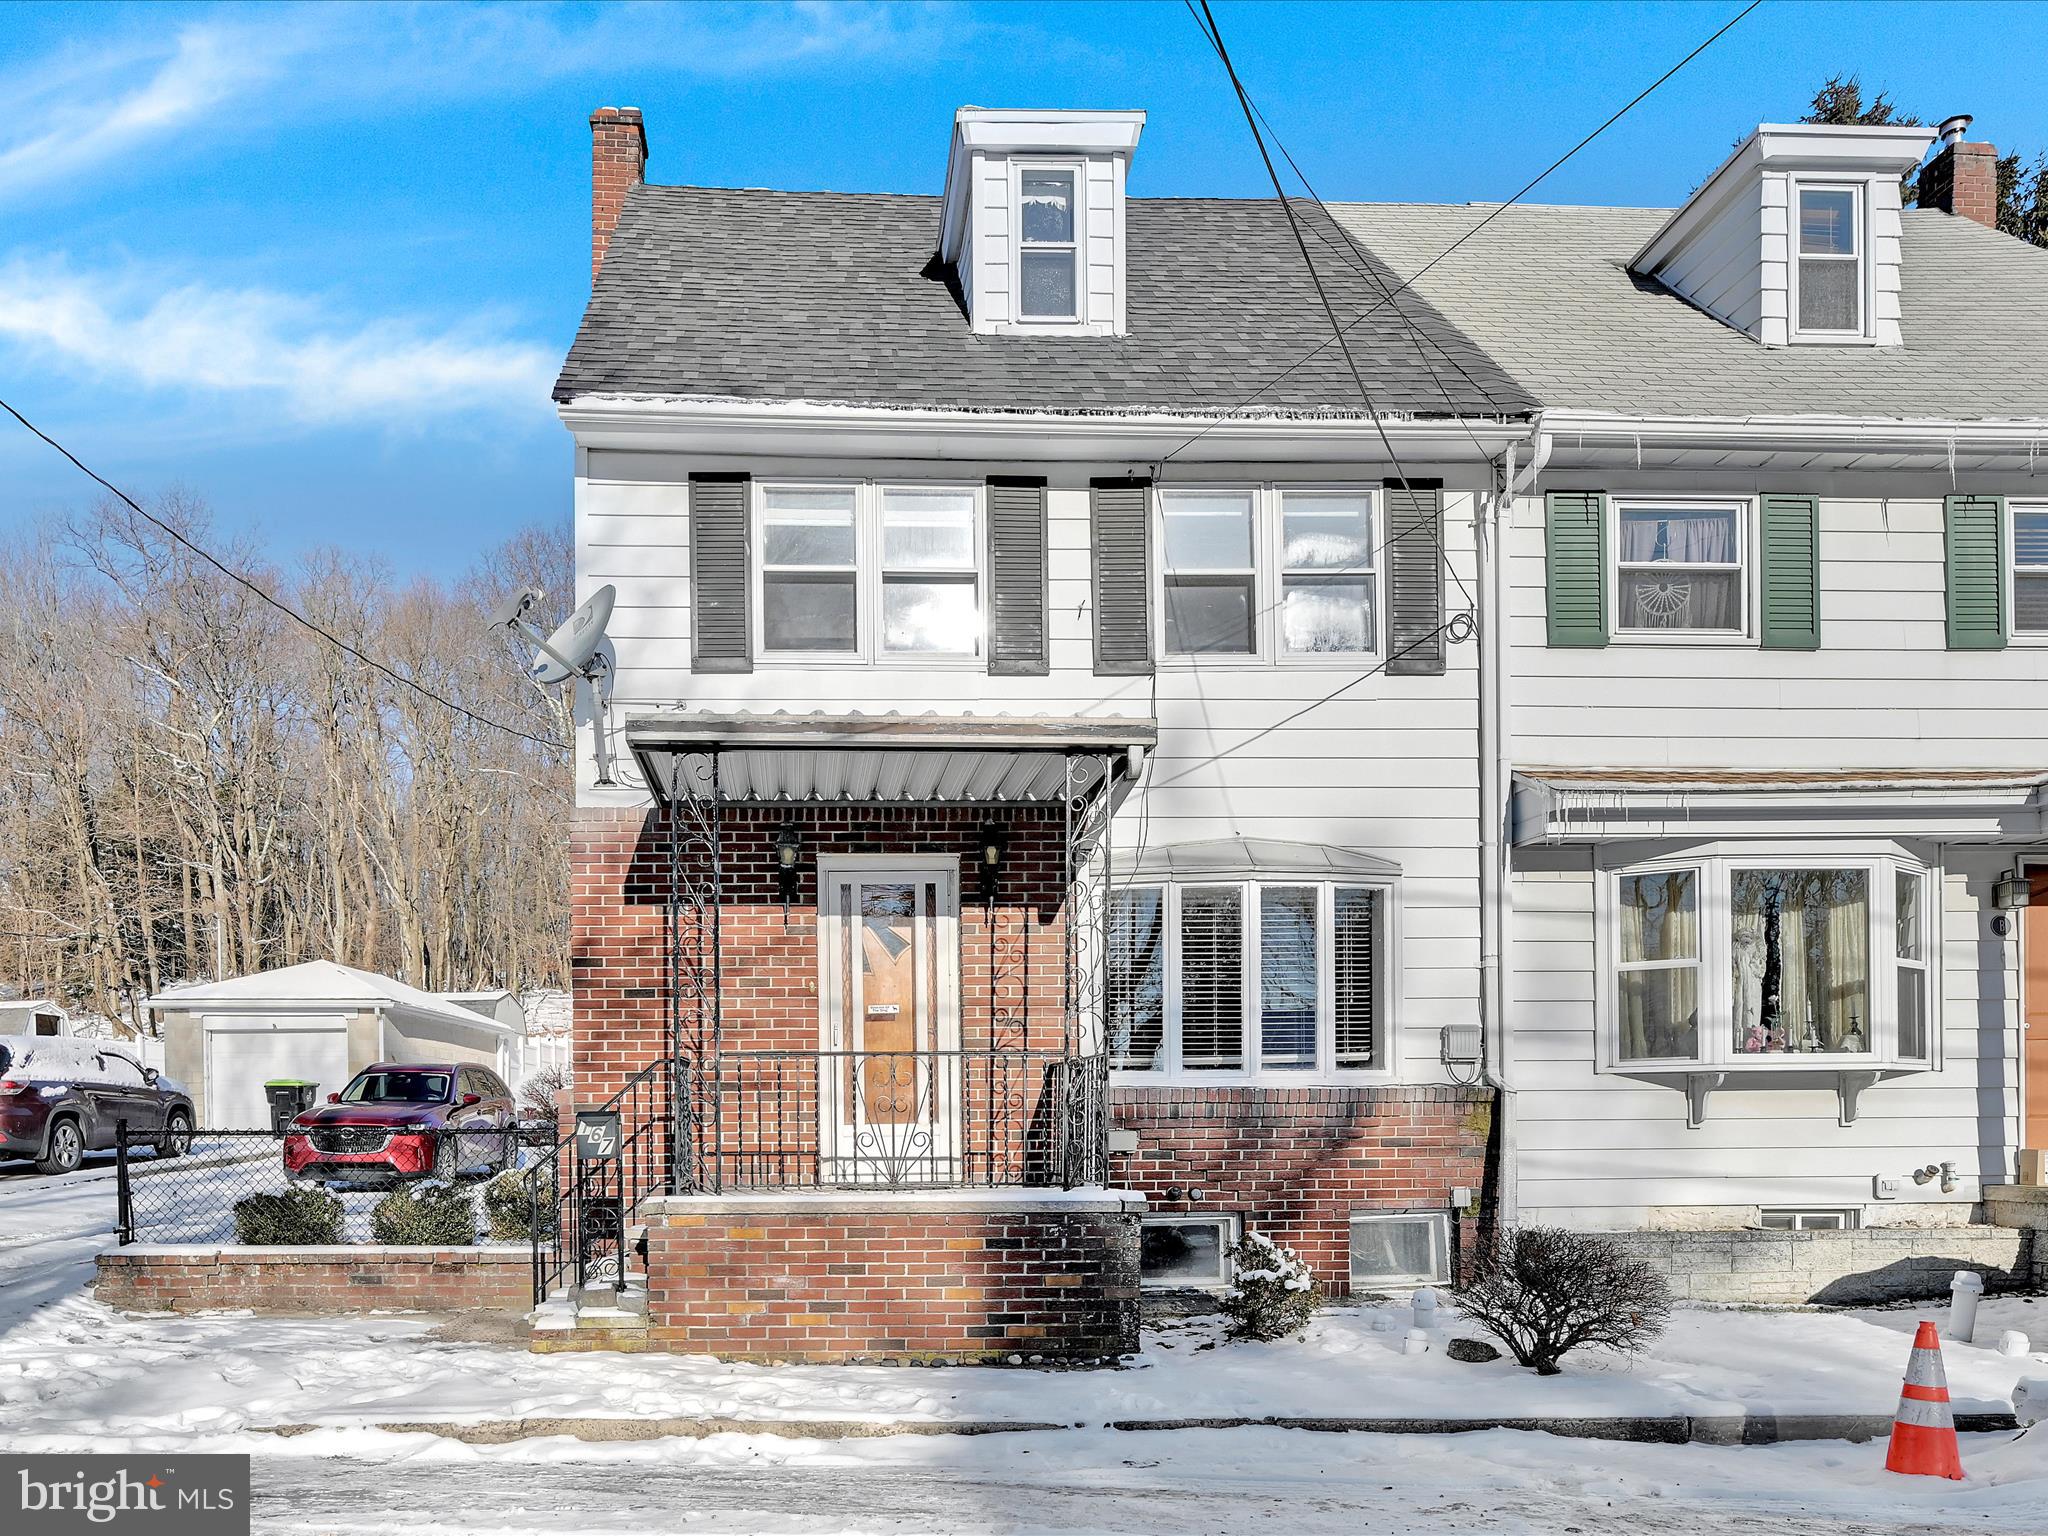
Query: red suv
{"x": 392, "y": 1122}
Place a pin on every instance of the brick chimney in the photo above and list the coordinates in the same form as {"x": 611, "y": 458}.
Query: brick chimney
{"x": 618, "y": 157}
{"x": 1962, "y": 178}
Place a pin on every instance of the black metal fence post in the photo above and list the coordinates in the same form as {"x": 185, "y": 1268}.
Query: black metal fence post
{"x": 124, "y": 1203}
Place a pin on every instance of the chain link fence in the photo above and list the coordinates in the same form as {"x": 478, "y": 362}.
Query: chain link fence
{"x": 335, "y": 1184}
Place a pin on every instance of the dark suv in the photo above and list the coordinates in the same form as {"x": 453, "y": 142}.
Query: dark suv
{"x": 61, "y": 1098}
{"x": 388, "y": 1123}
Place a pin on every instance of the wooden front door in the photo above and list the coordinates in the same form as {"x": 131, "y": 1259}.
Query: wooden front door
{"x": 2034, "y": 1001}
{"x": 889, "y": 983}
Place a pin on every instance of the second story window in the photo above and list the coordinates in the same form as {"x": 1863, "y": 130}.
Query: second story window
{"x": 2030, "y": 567}
{"x": 1830, "y": 262}
{"x": 1680, "y": 567}
{"x": 1049, "y": 250}
{"x": 868, "y": 572}
{"x": 1273, "y": 571}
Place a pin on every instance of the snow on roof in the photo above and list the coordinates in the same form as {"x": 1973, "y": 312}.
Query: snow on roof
{"x": 318, "y": 981}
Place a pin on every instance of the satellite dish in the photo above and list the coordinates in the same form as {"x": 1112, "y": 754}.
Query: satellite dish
{"x": 568, "y": 651}
{"x": 574, "y": 653}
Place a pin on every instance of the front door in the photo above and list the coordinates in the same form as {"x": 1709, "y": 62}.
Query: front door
{"x": 889, "y": 985}
{"x": 2034, "y": 999}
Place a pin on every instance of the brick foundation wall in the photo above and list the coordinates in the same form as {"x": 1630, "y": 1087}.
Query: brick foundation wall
{"x": 837, "y": 1277}
{"x": 199, "y": 1278}
{"x": 1859, "y": 1268}
{"x": 1295, "y": 1163}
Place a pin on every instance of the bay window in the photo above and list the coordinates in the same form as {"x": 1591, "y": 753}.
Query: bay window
{"x": 1264, "y": 979}
{"x": 1768, "y": 962}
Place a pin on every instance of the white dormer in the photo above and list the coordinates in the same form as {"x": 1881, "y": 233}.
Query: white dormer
{"x": 1033, "y": 221}
{"x": 1795, "y": 239}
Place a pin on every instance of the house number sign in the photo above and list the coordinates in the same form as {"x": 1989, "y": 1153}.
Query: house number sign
{"x": 597, "y": 1135}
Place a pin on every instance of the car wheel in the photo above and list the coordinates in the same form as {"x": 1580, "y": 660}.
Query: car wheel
{"x": 176, "y": 1140}
{"x": 65, "y": 1149}
{"x": 447, "y": 1158}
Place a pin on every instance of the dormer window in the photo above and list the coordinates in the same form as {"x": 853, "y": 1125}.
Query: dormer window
{"x": 1049, "y": 250}
{"x": 1830, "y": 269}
{"x": 1032, "y": 223}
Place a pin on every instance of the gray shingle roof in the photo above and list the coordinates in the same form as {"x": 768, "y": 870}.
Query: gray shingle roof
{"x": 818, "y": 296}
{"x": 1548, "y": 293}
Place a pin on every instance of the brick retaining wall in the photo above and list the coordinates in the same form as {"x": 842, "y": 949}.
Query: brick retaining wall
{"x": 206, "y": 1278}
{"x": 1294, "y": 1163}
{"x": 1859, "y": 1268}
{"x": 958, "y": 1276}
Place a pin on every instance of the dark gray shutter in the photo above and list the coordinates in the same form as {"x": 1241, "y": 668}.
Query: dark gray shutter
{"x": 1791, "y": 573}
{"x": 1415, "y": 576}
{"x": 1974, "y": 541}
{"x": 1575, "y": 567}
{"x": 1016, "y": 576}
{"x": 721, "y": 575}
{"x": 1119, "y": 521}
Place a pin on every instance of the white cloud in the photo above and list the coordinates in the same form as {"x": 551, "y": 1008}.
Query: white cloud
{"x": 286, "y": 351}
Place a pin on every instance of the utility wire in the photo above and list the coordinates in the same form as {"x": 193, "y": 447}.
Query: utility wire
{"x": 281, "y": 606}
{"x": 1502, "y": 208}
{"x": 1307, "y": 259}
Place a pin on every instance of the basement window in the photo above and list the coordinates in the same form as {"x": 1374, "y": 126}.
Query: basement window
{"x": 1804, "y": 1220}
{"x": 1186, "y": 1250}
{"x": 1407, "y": 1249}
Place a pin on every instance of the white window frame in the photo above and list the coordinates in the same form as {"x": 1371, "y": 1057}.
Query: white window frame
{"x": 1716, "y": 1042}
{"x": 1745, "y": 511}
{"x": 1439, "y": 1223}
{"x": 1078, "y": 169}
{"x": 1166, "y": 1065}
{"x": 1846, "y": 1218}
{"x": 1859, "y": 192}
{"x": 2014, "y": 506}
{"x": 1269, "y": 572}
{"x": 1227, "y": 1227}
{"x": 869, "y": 575}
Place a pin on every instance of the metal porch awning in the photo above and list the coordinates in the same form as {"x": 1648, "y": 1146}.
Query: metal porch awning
{"x": 891, "y": 759}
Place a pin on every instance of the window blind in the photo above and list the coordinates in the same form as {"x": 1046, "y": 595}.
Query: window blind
{"x": 1354, "y": 950}
{"x": 1212, "y": 978}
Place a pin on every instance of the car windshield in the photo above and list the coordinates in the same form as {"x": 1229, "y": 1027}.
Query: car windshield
{"x": 397, "y": 1088}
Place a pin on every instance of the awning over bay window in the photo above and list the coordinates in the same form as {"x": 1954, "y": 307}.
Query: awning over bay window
{"x": 891, "y": 759}
{"x": 1593, "y": 805}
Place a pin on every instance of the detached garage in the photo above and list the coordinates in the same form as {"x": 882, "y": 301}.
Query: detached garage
{"x": 319, "y": 1021}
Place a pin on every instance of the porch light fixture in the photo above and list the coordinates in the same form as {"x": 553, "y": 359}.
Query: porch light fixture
{"x": 2010, "y": 894}
{"x": 995, "y": 842}
{"x": 788, "y": 844}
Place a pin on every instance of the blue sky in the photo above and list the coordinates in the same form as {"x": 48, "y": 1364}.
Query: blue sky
{"x": 316, "y": 265}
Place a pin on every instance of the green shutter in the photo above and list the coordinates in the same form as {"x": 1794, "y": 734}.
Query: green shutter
{"x": 1974, "y": 543}
{"x": 1791, "y": 573}
{"x": 1575, "y": 566}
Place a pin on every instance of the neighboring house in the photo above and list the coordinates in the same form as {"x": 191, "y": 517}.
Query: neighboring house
{"x": 1067, "y": 764}
{"x": 1776, "y": 603}
{"x": 34, "y": 1016}
{"x": 318, "y": 1021}
{"x": 974, "y": 632}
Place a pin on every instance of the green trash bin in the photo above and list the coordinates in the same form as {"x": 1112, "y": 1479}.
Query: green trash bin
{"x": 289, "y": 1098}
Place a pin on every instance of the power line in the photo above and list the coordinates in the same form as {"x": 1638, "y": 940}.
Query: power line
{"x": 1502, "y": 208}
{"x": 281, "y": 606}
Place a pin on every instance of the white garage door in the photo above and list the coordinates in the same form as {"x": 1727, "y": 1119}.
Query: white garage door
{"x": 240, "y": 1061}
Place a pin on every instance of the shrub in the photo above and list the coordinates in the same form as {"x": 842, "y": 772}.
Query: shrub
{"x": 302, "y": 1216}
{"x": 508, "y": 1209}
{"x": 432, "y": 1214}
{"x": 1273, "y": 1293}
{"x": 1543, "y": 1292}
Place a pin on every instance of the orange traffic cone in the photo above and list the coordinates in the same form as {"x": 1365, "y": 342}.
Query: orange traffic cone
{"x": 1924, "y": 1433}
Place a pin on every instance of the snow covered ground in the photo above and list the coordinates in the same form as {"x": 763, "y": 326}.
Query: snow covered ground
{"x": 76, "y": 1376}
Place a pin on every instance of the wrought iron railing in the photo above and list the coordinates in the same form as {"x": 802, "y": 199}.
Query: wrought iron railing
{"x": 898, "y": 1119}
